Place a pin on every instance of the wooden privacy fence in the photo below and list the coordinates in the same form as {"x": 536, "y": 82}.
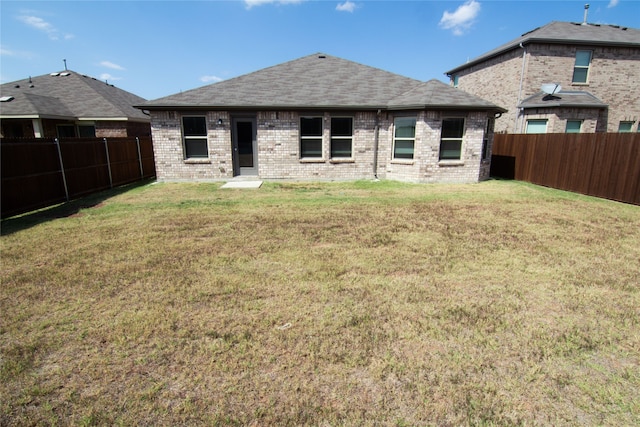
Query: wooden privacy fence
{"x": 597, "y": 164}
{"x": 37, "y": 173}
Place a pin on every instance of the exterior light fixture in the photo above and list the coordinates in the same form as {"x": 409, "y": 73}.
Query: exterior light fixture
{"x": 220, "y": 122}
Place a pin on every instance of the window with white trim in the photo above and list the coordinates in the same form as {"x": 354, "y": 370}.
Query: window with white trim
{"x": 404, "y": 137}
{"x": 451, "y": 138}
{"x": 66, "y": 131}
{"x": 486, "y": 152}
{"x": 194, "y": 133}
{"x": 581, "y": 67}
{"x": 573, "y": 126}
{"x": 536, "y": 126}
{"x": 341, "y": 137}
{"x": 625, "y": 127}
{"x": 311, "y": 137}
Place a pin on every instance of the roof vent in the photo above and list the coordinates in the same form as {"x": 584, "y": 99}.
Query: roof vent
{"x": 65, "y": 74}
{"x": 7, "y": 99}
{"x": 322, "y": 56}
{"x": 54, "y": 74}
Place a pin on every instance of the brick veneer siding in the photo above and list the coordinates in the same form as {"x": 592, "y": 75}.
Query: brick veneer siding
{"x": 496, "y": 80}
{"x": 278, "y": 142}
{"x": 613, "y": 78}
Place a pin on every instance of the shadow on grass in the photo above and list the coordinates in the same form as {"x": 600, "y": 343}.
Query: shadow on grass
{"x": 64, "y": 210}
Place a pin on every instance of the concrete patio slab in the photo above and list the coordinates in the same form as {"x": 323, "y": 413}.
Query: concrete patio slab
{"x": 242, "y": 184}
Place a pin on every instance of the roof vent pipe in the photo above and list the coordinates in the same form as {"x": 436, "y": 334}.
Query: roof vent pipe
{"x": 586, "y": 12}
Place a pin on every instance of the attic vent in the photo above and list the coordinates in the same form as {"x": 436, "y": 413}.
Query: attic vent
{"x": 322, "y": 56}
{"x": 65, "y": 74}
{"x": 7, "y": 99}
{"x": 54, "y": 74}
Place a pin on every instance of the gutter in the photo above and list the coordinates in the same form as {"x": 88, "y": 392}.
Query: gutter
{"x": 376, "y": 131}
{"x": 524, "y": 57}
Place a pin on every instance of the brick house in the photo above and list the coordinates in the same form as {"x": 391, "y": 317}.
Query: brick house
{"x": 67, "y": 104}
{"x": 322, "y": 117}
{"x": 596, "y": 66}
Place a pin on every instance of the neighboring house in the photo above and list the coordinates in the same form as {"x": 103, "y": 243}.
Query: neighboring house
{"x": 67, "y": 104}
{"x": 596, "y": 66}
{"x": 322, "y": 117}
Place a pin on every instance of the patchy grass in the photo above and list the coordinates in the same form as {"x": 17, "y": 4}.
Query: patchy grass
{"x": 361, "y": 303}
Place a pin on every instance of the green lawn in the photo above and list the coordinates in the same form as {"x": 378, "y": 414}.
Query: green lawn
{"x": 362, "y": 303}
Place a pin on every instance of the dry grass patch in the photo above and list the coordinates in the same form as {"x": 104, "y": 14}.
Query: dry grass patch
{"x": 360, "y": 303}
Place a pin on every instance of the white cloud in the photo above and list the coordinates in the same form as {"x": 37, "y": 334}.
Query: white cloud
{"x": 347, "y": 6}
{"x": 18, "y": 54}
{"x": 111, "y": 65}
{"x": 252, "y": 3}
{"x": 613, "y": 3}
{"x": 462, "y": 18}
{"x": 108, "y": 77}
{"x": 209, "y": 79}
{"x": 44, "y": 26}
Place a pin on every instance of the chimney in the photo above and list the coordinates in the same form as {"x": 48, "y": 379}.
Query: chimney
{"x": 586, "y": 12}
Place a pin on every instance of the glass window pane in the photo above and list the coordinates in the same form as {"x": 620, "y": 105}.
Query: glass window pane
{"x": 403, "y": 149}
{"x": 66, "y": 131}
{"x": 625, "y": 126}
{"x": 450, "y": 150}
{"x": 583, "y": 58}
{"x": 311, "y": 147}
{"x": 311, "y": 126}
{"x": 341, "y": 126}
{"x": 87, "y": 131}
{"x": 580, "y": 75}
{"x": 194, "y": 126}
{"x": 341, "y": 148}
{"x": 405, "y": 127}
{"x": 196, "y": 147}
{"x": 536, "y": 126}
{"x": 452, "y": 128}
{"x": 573, "y": 126}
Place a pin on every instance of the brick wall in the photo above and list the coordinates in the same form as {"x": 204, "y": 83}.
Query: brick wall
{"x": 496, "y": 80}
{"x": 613, "y": 78}
{"x": 279, "y": 149}
{"x": 168, "y": 151}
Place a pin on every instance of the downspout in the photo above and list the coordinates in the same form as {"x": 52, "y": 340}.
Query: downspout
{"x": 376, "y": 131}
{"x": 524, "y": 54}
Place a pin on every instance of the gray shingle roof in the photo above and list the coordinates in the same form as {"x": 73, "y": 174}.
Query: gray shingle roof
{"x": 320, "y": 81}
{"x": 577, "y": 99}
{"x": 69, "y": 95}
{"x": 570, "y": 33}
{"x": 437, "y": 95}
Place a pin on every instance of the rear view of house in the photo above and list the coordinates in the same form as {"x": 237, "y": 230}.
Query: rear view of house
{"x": 323, "y": 117}
{"x": 67, "y": 104}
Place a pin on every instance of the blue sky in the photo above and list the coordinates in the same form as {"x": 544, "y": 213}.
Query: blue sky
{"x": 155, "y": 49}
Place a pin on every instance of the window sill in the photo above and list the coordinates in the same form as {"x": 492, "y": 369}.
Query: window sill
{"x": 197, "y": 161}
{"x": 403, "y": 161}
{"x": 342, "y": 160}
{"x": 579, "y": 84}
{"x": 451, "y": 163}
{"x": 312, "y": 160}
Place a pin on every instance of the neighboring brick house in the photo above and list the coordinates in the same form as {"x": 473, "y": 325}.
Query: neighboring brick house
{"x": 67, "y": 104}
{"x": 322, "y": 117}
{"x": 597, "y": 67}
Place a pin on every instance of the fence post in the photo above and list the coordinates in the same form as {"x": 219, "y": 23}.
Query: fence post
{"x": 106, "y": 148}
{"x": 140, "y": 157}
{"x": 64, "y": 175}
